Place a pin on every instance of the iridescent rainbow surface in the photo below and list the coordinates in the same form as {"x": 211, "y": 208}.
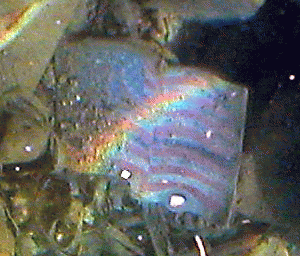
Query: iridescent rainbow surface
{"x": 177, "y": 135}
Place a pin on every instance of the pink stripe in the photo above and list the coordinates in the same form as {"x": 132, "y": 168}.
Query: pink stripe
{"x": 190, "y": 155}
{"x": 208, "y": 201}
{"x": 187, "y": 173}
{"x": 166, "y": 81}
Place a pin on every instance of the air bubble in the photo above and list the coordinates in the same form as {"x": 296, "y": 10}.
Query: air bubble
{"x": 28, "y": 148}
{"x": 246, "y": 221}
{"x": 125, "y": 174}
{"x": 176, "y": 200}
{"x": 59, "y": 237}
{"x": 291, "y": 77}
{"x": 208, "y": 134}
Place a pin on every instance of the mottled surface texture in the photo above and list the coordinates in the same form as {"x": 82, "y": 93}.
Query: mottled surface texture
{"x": 177, "y": 134}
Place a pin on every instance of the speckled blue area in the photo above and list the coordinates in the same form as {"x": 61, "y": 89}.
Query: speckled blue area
{"x": 185, "y": 127}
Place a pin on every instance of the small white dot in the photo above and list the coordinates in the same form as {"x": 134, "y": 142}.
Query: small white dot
{"x": 59, "y": 237}
{"x": 292, "y": 77}
{"x": 164, "y": 181}
{"x": 58, "y": 22}
{"x": 233, "y": 94}
{"x": 140, "y": 237}
{"x": 246, "y": 221}
{"x": 18, "y": 168}
{"x": 78, "y": 98}
{"x": 176, "y": 200}
{"x": 98, "y": 61}
{"x": 28, "y": 148}
{"x": 125, "y": 174}
{"x": 208, "y": 134}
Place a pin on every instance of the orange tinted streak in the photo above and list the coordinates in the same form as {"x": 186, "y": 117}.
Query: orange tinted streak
{"x": 9, "y": 21}
{"x": 100, "y": 145}
{"x": 182, "y": 80}
{"x": 241, "y": 245}
{"x": 163, "y": 98}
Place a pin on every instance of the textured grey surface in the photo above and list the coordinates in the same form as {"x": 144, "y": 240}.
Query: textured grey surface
{"x": 179, "y": 133}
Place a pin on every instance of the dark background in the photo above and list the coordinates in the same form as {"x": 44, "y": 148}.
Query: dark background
{"x": 261, "y": 54}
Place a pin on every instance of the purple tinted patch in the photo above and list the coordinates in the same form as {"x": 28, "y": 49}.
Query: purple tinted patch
{"x": 177, "y": 134}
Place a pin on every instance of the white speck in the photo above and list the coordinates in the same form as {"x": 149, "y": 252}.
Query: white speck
{"x": 59, "y": 236}
{"x": 200, "y": 245}
{"x": 125, "y": 174}
{"x": 98, "y": 61}
{"x": 246, "y": 221}
{"x": 58, "y": 22}
{"x": 71, "y": 102}
{"x": 176, "y": 200}
{"x": 164, "y": 181}
{"x": 89, "y": 219}
{"x": 28, "y": 148}
{"x": 292, "y": 77}
{"x": 233, "y": 94}
{"x": 208, "y": 134}
{"x": 17, "y": 168}
{"x": 140, "y": 237}
{"x": 78, "y": 98}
